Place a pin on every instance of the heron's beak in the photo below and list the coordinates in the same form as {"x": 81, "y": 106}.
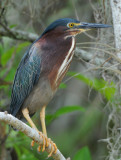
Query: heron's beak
{"x": 84, "y": 25}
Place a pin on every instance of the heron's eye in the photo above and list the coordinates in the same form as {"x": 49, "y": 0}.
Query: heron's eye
{"x": 71, "y": 25}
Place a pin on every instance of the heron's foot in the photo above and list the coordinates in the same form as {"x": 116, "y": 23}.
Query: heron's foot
{"x": 32, "y": 143}
{"x": 53, "y": 147}
{"x": 46, "y": 142}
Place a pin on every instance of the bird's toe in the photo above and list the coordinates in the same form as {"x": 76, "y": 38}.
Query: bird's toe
{"x": 46, "y": 142}
{"x": 53, "y": 147}
{"x": 32, "y": 143}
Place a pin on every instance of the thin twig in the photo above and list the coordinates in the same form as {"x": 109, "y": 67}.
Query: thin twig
{"x": 108, "y": 59}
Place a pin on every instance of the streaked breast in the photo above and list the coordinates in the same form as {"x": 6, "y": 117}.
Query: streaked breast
{"x": 66, "y": 63}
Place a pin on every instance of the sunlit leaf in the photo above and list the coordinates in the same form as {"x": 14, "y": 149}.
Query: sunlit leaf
{"x": 83, "y": 154}
{"x": 62, "y": 86}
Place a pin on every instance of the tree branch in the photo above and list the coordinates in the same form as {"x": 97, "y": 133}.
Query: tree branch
{"x": 30, "y": 132}
{"x": 18, "y": 34}
{"x": 87, "y": 56}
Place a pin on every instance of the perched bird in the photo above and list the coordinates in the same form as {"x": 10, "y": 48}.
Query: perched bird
{"x": 43, "y": 67}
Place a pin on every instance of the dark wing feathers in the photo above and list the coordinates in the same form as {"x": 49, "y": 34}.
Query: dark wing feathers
{"x": 26, "y": 77}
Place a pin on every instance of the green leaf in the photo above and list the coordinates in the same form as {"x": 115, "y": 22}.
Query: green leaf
{"x": 83, "y": 154}
{"x": 63, "y": 110}
{"x": 62, "y": 86}
{"x": 1, "y": 49}
{"x": 106, "y": 89}
{"x": 10, "y": 76}
{"x": 16, "y": 147}
{"x": 13, "y": 25}
{"x": 68, "y": 109}
{"x": 22, "y": 46}
{"x": 7, "y": 55}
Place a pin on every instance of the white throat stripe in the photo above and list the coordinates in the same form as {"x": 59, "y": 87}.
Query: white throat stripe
{"x": 66, "y": 61}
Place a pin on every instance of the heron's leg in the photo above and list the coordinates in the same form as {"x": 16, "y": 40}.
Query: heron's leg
{"x": 42, "y": 119}
{"x": 26, "y": 115}
{"x": 48, "y": 140}
{"x": 25, "y": 112}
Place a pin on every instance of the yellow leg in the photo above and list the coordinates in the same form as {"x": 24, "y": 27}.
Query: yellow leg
{"x": 42, "y": 119}
{"x": 26, "y": 115}
{"x": 46, "y": 140}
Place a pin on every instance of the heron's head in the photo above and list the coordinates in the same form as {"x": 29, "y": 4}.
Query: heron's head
{"x": 71, "y": 27}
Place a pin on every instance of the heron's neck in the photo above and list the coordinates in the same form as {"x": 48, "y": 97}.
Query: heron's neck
{"x": 60, "y": 53}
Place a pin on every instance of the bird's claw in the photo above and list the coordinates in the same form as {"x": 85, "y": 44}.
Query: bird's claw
{"x": 53, "y": 148}
{"x": 39, "y": 148}
{"x": 46, "y": 142}
{"x": 32, "y": 143}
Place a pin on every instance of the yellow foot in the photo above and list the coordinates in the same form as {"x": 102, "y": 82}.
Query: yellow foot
{"x": 53, "y": 147}
{"x": 32, "y": 143}
{"x": 46, "y": 142}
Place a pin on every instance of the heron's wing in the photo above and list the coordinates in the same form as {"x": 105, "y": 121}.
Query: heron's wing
{"x": 26, "y": 77}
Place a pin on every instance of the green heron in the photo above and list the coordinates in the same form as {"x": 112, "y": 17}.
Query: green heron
{"x": 43, "y": 67}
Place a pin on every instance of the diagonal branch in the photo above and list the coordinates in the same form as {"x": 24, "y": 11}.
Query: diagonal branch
{"x": 30, "y": 132}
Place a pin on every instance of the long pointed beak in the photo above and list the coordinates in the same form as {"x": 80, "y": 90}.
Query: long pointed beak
{"x": 84, "y": 25}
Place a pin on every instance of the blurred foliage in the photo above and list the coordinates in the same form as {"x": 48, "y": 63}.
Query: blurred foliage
{"x": 105, "y": 88}
{"x": 83, "y": 154}
{"x": 5, "y": 56}
{"x": 61, "y": 111}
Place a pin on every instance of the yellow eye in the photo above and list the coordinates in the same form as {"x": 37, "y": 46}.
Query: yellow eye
{"x": 71, "y": 25}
